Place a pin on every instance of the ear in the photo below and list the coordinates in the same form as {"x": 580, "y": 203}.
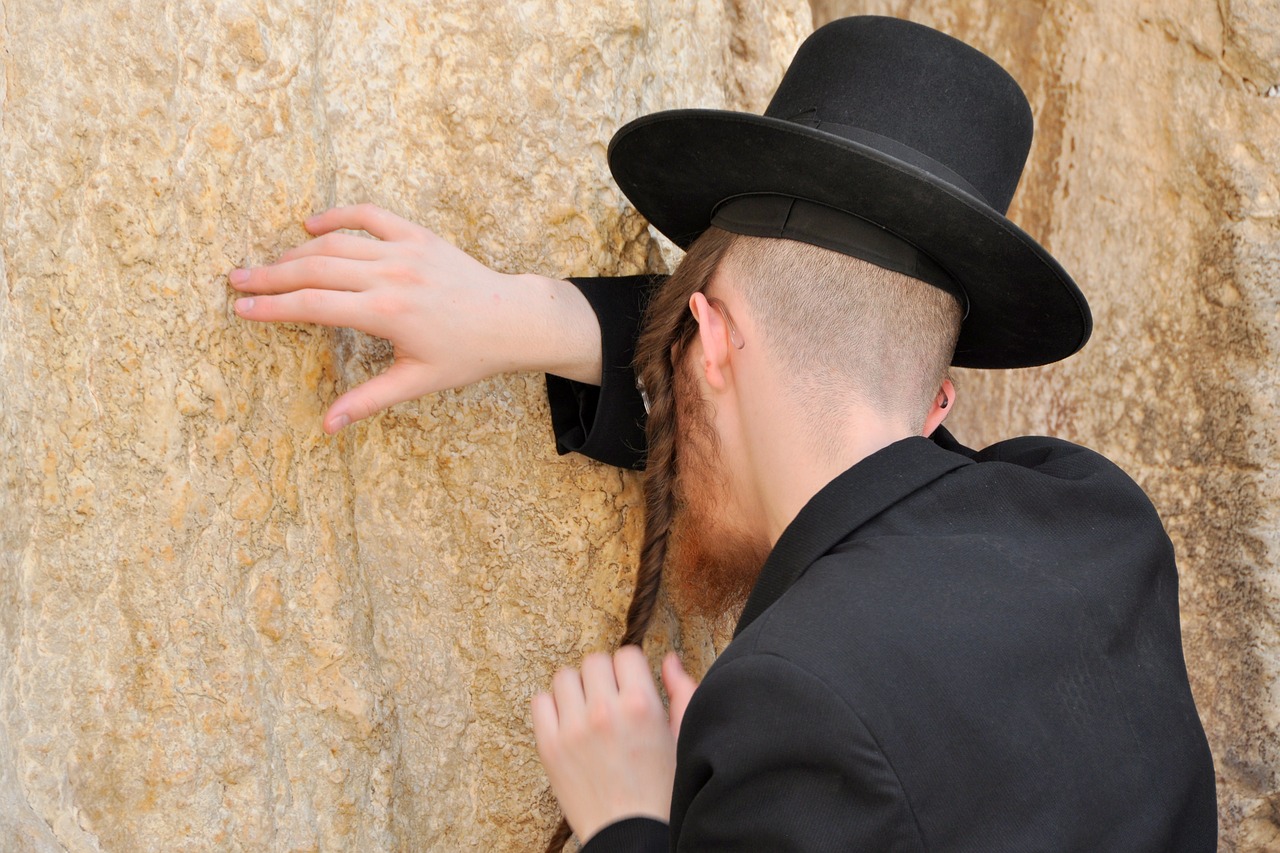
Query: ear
{"x": 942, "y": 406}
{"x": 713, "y": 336}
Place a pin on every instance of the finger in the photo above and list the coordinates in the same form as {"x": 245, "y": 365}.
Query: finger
{"x": 566, "y": 687}
{"x": 327, "y": 273}
{"x": 598, "y": 682}
{"x": 339, "y": 245}
{"x": 631, "y": 668}
{"x": 546, "y": 722}
{"x": 322, "y": 307}
{"x": 382, "y": 224}
{"x": 400, "y": 382}
{"x": 680, "y": 686}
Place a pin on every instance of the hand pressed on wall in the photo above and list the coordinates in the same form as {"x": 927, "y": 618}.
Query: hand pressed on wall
{"x": 605, "y": 740}
{"x": 451, "y": 320}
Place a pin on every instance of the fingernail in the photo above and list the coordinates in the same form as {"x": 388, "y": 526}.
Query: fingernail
{"x": 239, "y": 276}
{"x": 339, "y": 422}
{"x": 244, "y": 306}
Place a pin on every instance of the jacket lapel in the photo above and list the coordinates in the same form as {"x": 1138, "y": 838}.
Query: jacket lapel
{"x": 842, "y": 506}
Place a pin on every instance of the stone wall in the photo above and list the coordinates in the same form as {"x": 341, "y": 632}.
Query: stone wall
{"x": 219, "y": 628}
{"x": 1155, "y": 179}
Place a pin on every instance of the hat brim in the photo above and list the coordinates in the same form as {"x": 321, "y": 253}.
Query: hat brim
{"x": 1024, "y": 310}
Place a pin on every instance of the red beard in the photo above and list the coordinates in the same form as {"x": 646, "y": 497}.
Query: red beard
{"x": 712, "y": 559}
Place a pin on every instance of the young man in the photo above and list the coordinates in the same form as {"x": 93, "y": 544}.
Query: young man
{"x": 941, "y": 649}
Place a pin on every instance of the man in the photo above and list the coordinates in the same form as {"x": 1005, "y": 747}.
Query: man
{"x": 944, "y": 649}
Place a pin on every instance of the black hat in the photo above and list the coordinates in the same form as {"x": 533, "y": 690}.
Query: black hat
{"x": 888, "y": 141}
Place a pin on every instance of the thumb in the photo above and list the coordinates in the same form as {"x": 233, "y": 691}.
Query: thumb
{"x": 399, "y": 383}
{"x": 680, "y": 687}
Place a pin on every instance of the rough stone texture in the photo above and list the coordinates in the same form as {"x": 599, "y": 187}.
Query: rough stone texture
{"x": 220, "y": 629}
{"x": 1154, "y": 179}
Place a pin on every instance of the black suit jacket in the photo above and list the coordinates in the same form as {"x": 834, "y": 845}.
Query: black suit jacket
{"x": 949, "y": 650}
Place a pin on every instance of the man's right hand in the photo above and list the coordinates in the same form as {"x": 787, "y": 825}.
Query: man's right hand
{"x": 608, "y": 747}
{"x": 451, "y": 320}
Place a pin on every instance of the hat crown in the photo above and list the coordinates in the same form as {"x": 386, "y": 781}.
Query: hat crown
{"x": 918, "y": 94}
{"x": 887, "y": 141}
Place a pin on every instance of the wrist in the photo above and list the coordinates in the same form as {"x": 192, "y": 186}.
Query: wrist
{"x": 558, "y": 328}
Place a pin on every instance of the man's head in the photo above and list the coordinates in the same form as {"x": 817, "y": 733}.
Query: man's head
{"x": 830, "y": 345}
{"x": 846, "y": 332}
{"x": 912, "y": 173}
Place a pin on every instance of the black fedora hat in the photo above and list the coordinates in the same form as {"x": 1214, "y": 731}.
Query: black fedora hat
{"x": 886, "y": 140}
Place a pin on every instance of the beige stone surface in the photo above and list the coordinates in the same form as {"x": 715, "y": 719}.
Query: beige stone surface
{"x": 219, "y": 628}
{"x": 1155, "y": 179}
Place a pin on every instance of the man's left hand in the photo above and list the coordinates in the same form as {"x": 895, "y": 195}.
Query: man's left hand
{"x": 605, "y": 740}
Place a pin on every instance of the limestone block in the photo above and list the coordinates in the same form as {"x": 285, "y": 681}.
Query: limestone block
{"x": 219, "y": 628}
{"x": 1154, "y": 179}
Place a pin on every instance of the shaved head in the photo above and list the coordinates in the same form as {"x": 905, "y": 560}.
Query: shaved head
{"x": 845, "y": 328}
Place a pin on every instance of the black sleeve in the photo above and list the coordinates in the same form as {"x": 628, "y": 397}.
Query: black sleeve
{"x": 633, "y": 835}
{"x": 771, "y": 758}
{"x": 606, "y": 422}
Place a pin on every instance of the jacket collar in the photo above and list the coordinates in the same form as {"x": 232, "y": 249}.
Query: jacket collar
{"x": 846, "y": 503}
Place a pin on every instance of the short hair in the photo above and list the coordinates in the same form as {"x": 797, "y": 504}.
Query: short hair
{"x": 845, "y": 327}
